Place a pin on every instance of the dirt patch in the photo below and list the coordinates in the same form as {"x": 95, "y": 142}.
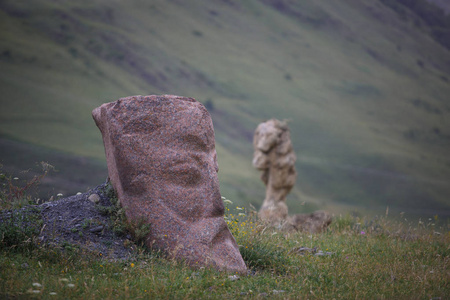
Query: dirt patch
{"x": 78, "y": 222}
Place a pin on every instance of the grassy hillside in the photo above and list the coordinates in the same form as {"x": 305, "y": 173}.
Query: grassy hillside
{"x": 365, "y": 90}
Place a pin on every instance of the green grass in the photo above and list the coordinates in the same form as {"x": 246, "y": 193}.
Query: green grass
{"x": 377, "y": 258}
{"x": 364, "y": 89}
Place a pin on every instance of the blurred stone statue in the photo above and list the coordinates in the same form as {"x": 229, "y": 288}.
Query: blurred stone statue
{"x": 274, "y": 156}
{"x": 162, "y": 163}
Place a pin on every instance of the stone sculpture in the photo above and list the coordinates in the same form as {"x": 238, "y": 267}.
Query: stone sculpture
{"x": 275, "y": 157}
{"x": 162, "y": 163}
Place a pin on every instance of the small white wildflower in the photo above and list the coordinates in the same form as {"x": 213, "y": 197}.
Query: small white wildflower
{"x": 64, "y": 280}
{"x": 223, "y": 198}
{"x": 16, "y": 178}
{"x": 227, "y": 201}
{"x": 239, "y": 208}
{"x": 35, "y": 291}
{"x": 79, "y": 193}
{"x": 71, "y": 285}
{"x": 233, "y": 277}
{"x": 52, "y": 293}
{"x": 241, "y": 214}
{"x": 36, "y": 284}
{"x": 59, "y": 195}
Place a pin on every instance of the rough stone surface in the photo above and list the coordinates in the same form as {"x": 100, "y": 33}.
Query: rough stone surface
{"x": 275, "y": 157}
{"x": 161, "y": 158}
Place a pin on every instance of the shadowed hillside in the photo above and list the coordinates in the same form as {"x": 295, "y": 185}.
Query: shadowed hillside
{"x": 364, "y": 89}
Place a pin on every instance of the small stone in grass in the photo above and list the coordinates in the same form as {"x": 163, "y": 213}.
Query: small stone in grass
{"x": 94, "y": 198}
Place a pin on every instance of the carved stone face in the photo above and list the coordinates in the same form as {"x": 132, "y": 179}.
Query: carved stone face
{"x": 162, "y": 162}
{"x": 267, "y": 135}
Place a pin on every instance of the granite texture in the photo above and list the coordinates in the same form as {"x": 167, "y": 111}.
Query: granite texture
{"x": 162, "y": 162}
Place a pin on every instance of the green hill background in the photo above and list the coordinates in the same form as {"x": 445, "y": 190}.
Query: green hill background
{"x": 365, "y": 86}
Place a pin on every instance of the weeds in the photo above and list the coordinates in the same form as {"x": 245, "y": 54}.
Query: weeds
{"x": 14, "y": 195}
{"x": 257, "y": 248}
{"x": 18, "y": 229}
{"x": 119, "y": 223}
{"x": 114, "y": 211}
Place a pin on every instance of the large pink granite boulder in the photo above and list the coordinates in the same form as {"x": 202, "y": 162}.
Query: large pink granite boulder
{"x": 161, "y": 158}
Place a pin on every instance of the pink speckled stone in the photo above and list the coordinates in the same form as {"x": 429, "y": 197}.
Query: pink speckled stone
{"x": 162, "y": 162}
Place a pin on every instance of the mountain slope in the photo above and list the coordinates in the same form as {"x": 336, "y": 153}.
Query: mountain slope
{"x": 366, "y": 92}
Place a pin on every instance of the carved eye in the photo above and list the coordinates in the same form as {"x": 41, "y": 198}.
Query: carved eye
{"x": 195, "y": 142}
{"x": 184, "y": 174}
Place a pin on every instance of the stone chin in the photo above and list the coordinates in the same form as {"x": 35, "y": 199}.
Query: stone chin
{"x": 209, "y": 242}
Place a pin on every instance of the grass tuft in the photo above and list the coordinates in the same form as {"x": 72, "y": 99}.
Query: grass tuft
{"x": 18, "y": 229}
{"x": 118, "y": 219}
